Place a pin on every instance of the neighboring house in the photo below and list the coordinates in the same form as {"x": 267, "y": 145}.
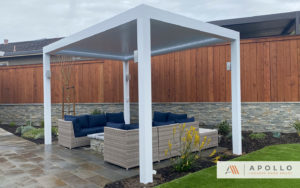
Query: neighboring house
{"x": 30, "y": 52}
{"x": 264, "y": 26}
{"x": 23, "y": 53}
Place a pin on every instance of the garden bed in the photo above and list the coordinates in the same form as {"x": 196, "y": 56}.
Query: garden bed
{"x": 250, "y": 145}
{"x": 166, "y": 174}
{"x": 12, "y": 129}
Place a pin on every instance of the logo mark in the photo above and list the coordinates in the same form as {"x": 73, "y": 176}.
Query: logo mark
{"x": 232, "y": 169}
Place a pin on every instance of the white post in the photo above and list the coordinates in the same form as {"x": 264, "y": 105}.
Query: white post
{"x": 145, "y": 99}
{"x": 47, "y": 98}
{"x": 126, "y": 79}
{"x": 236, "y": 98}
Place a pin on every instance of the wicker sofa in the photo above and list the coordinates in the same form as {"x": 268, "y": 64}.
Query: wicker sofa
{"x": 121, "y": 147}
{"x": 73, "y": 131}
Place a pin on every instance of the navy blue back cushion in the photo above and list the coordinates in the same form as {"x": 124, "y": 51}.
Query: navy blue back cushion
{"x": 115, "y": 125}
{"x": 192, "y": 119}
{"x": 97, "y": 120}
{"x": 160, "y": 116}
{"x": 115, "y": 117}
{"x": 80, "y": 122}
{"x": 131, "y": 126}
{"x": 69, "y": 117}
{"x": 83, "y": 121}
{"x": 156, "y": 123}
{"x": 174, "y": 117}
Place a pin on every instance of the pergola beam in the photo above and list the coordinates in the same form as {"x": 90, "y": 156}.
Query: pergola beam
{"x": 236, "y": 97}
{"x": 145, "y": 100}
{"x": 47, "y": 98}
{"x": 126, "y": 91}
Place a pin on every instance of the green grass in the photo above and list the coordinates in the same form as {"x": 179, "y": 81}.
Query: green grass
{"x": 207, "y": 177}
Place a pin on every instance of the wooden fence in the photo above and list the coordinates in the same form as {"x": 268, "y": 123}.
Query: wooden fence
{"x": 270, "y": 71}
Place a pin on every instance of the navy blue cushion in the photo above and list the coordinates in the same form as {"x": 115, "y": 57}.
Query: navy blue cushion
{"x": 80, "y": 122}
{"x": 131, "y": 126}
{"x": 174, "y": 117}
{"x": 115, "y": 125}
{"x": 115, "y": 117}
{"x": 160, "y": 116}
{"x": 192, "y": 119}
{"x": 97, "y": 120}
{"x": 69, "y": 117}
{"x": 157, "y": 123}
{"x": 87, "y": 131}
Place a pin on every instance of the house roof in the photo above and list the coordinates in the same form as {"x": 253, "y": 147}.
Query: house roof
{"x": 25, "y": 48}
{"x": 264, "y": 26}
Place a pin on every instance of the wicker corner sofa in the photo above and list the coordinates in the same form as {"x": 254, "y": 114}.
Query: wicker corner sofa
{"x": 121, "y": 147}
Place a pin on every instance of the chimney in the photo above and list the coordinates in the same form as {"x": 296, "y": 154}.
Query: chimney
{"x": 5, "y": 41}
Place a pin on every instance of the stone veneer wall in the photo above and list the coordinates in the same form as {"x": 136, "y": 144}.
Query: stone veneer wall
{"x": 255, "y": 116}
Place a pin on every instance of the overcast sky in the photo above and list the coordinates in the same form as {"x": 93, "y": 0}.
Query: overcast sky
{"x": 23, "y": 20}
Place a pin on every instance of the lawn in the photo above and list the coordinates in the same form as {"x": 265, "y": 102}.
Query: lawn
{"x": 207, "y": 177}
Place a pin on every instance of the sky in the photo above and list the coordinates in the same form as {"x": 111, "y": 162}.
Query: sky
{"x": 23, "y": 20}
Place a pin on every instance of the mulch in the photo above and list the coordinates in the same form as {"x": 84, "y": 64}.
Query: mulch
{"x": 12, "y": 129}
{"x": 250, "y": 145}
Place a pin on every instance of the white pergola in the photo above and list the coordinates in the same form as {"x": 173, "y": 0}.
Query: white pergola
{"x": 140, "y": 33}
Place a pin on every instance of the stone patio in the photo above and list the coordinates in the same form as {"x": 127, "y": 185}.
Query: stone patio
{"x": 25, "y": 164}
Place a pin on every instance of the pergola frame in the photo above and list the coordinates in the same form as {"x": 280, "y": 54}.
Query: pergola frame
{"x": 144, "y": 15}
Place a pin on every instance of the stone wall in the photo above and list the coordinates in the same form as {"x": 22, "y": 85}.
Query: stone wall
{"x": 255, "y": 116}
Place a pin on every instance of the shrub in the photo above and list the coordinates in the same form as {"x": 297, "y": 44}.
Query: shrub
{"x": 189, "y": 141}
{"x": 257, "y": 136}
{"x": 42, "y": 124}
{"x": 13, "y": 124}
{"x": 54, "y": 131}
{"x": 34, "y": 133}
{"x": 224, "y": 128}
{"x": 296, "y": 125}
{"x": 22, "y": 129}
{"x": 38, "y": 133}
{"x": 97, "y": 111}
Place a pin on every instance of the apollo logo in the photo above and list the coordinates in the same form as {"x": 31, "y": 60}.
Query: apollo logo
{"x": 258, "y": 169}
{"x": 232, "y": 169}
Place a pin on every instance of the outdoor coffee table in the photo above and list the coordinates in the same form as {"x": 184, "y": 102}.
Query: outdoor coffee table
{"x": 97, "y": 142}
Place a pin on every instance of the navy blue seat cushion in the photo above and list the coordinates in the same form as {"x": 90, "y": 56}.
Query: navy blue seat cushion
{"x": 192, "y": 119}
{"x": 115, "y": 117}
{"x": 131, "y": 126}
{"x": 157, "y": 123}
{"x": 174, "y": 117}
{"x": 115, "y": 125}
{"x": 97, "y": 120}
{"x": 69, "y": 117}
{"x": 87, "y": 131}
{"x": 161, "y": 116}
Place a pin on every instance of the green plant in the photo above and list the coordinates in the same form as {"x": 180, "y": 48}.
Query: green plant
{"x": 296, "y": 125}
{"x": 187, "y": 143}
{"x": 224, "y": 128}
{"x": 42, "y": 124}
{"x": 97, "y": 111}
{"x": 34, "y": 133}
{"x": 13, "y": 124}
{"x": 22, "y": 129}
{"x": 54, "y": 131}
{"x": 257, "y": 136}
